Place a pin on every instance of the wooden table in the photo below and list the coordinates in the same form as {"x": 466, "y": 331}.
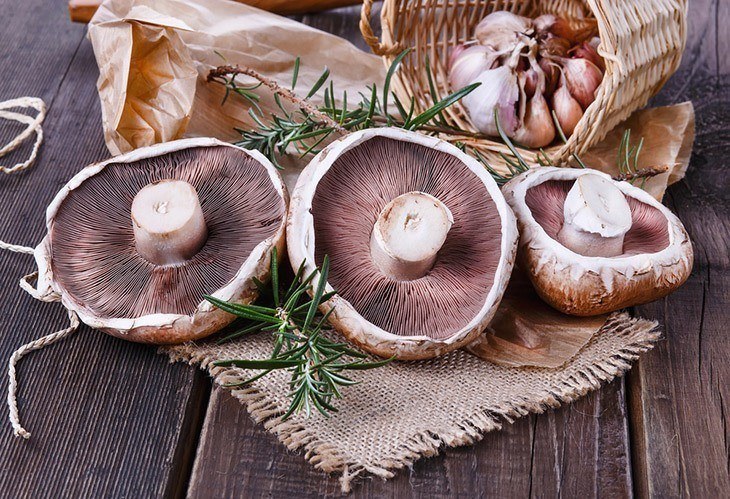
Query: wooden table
{"x": 111, "y": 418}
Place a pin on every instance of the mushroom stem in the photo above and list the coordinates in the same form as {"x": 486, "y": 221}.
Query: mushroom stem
{"x": 596, "y": 217}
{"x": 168, "y": 222}
{"x": 408, "y": 234}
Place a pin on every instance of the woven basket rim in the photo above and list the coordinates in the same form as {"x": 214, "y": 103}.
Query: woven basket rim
{"x": 614, "y": 100}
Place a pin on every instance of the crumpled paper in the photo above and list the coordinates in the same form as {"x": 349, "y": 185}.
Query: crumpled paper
{"x": 167, "y": 43}
{"x": 527, "y": 332}
{"x": 147, "y": 86}
{"x": 154, "y": 56}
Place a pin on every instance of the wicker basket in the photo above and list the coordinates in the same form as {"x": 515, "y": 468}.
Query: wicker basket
{"x": 641, "y": 41}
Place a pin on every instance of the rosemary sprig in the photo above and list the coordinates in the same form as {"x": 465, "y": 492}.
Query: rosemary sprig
{"x": 315, "y": 362}
{"x": 308, "y": 127}
{"x": 628, "y": 162}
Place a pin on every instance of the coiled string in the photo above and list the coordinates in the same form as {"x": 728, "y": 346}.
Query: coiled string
{"x": 33, "y": 126}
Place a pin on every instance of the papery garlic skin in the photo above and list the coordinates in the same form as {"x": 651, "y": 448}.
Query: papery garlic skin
{"x": 544, "y": 23}
{"x": 498, "y": 90}
{"x": 502, "y": 30}
{"x": 467, "y": 63}
{"x": 596, "y": 217}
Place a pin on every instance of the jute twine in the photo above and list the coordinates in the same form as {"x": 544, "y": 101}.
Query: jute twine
{"x": 33, "y": 126}
{"x": 408, "y": 410}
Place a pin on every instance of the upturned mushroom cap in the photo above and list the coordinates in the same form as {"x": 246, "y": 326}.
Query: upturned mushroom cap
{"x": 138, "y": 269}
{"x": 392, "y": 301}
{"x": 655, "y": 255}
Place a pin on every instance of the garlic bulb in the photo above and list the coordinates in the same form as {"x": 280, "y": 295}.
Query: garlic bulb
{"x": 498, "y": 90}
{"x": 501, "y": 30}
{"x": 567, "y": 109}
{"x": 528, "y": 69}
{"x": 583, "y": 79}
{"x": 552, "y": 75}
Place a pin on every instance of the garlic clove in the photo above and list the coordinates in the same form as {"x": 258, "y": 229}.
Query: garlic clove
{"x": 468, "y": 62}
{"x": 499, "y": 90}
{"x": 536, "y": 125}
{"x": 586, "y": 51}
{"x": 456, "y": 52}
{"x": 567, "y": 109}
{"x": 583, "y": 78}
{"x": 537, "y": 129}
{"x": 501, "y": 30}
{"x": 552, "y": 75}
{"x": 529, "y": 80}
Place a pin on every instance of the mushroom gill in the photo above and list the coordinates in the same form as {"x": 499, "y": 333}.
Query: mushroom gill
{"x": 94, "y": 257}
{"x": 649, "y": 231}
{"x": 345, "y": 207}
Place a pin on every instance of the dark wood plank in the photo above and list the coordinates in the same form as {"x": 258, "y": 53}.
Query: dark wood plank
{"x": 581, "y": 450}
{"x": 107, "y": 417}
{"x": 679, "y": 393}
{"x": 37, "y": 48}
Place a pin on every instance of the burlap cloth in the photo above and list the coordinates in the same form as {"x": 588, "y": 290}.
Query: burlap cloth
{"x": 408, "y": 410}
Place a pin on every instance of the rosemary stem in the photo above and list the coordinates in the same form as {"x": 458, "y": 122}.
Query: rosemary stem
{"x": 642, "y": 173}
{"x": 222, "y": 71}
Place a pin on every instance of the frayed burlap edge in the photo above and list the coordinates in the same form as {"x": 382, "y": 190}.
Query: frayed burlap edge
{"x": 641, "y": 335}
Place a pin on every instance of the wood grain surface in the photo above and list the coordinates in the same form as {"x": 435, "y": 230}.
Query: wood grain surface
{"x": 115, "y": 419}
{"x": 107, "y": 417}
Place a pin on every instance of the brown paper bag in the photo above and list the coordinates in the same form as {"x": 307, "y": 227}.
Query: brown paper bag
{"x": 189, "y": 38}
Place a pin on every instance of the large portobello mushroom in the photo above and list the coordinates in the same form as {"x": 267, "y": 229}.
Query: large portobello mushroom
{"x": 135, "y": 242}
{"x": 592, "y": 245}
{"x": 420, "y": 240}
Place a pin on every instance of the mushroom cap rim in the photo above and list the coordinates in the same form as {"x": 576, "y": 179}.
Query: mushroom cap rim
{"x": 48, "y": 286}
{"x": 300, "y": 232}
{"x": 534, "y": 235}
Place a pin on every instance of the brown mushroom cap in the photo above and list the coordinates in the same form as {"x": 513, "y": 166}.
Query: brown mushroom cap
{"x": 334, "y": 209}
{"x": 656, "y": 257}
{"x": 89, "y": 256}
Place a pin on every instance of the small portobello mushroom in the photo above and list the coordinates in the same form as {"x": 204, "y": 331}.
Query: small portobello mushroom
{"x": 592, "y": 245}
{"x": 135, "y": 242}
{"x": 420, "y": 240}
